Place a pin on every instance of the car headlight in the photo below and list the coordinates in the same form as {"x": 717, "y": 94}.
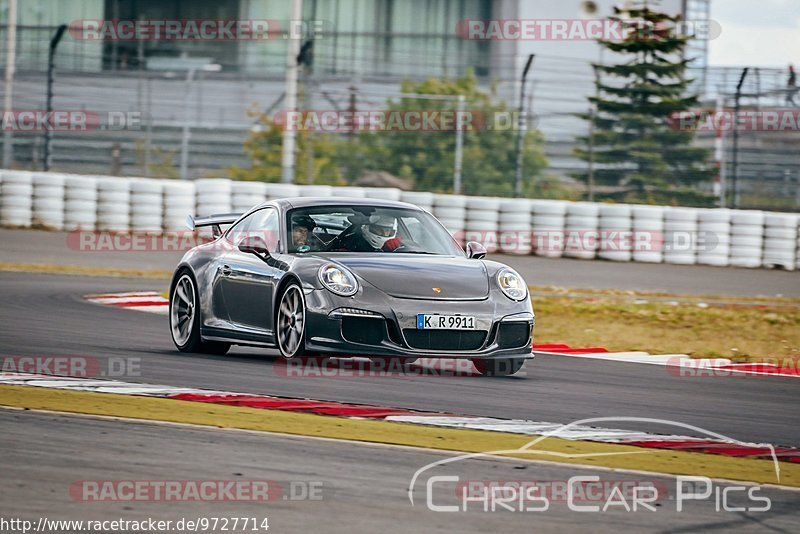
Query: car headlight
{"x": 512, "y": 284}
{"x": 338, "y": 280}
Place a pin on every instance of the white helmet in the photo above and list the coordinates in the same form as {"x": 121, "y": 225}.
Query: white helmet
{"x": 379, "y": 230}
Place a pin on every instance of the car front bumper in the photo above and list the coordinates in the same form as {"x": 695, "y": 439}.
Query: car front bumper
{"x": 332, "y": 324}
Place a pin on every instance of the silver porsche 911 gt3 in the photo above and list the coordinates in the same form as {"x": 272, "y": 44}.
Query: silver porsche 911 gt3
{"x": 348, "y": 277}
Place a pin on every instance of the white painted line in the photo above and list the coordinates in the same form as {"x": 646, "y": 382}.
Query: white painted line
{"x": 162, "y": 309}
{"x": 123, "y": 295}
{"x": 535, "y": 428}
{"x": 120, "y": 300}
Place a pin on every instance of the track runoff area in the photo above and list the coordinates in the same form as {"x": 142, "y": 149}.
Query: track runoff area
{"x": 602, "y": 468}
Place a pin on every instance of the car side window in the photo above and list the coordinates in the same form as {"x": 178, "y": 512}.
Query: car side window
{"x": 263, "y": 223}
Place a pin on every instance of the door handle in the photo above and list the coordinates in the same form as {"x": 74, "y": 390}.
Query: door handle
{"x": 225, "y": 270}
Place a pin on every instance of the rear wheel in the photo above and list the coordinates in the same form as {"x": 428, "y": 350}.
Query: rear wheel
{"x": 498, "y": 366}
{"x": 290, "y": 324}
{"x": 184, "y": 319}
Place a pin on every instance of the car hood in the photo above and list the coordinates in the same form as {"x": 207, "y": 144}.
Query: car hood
{"x": 418, "y": 276}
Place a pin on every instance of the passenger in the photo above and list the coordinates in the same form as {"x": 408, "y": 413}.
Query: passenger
{"x": 303, "y": 239}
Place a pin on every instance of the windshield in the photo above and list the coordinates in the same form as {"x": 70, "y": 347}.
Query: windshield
{"x": 367, "y": 229}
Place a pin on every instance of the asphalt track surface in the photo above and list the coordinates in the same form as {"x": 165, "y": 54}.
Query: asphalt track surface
{"x": 360, "y": 487}
{"x": 60, "y": 248}
{"x": 44, "y": 315}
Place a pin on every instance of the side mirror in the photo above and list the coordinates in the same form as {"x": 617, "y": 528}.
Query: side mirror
{"x": 253, "y": 244}
{"x": 475, "y": 250}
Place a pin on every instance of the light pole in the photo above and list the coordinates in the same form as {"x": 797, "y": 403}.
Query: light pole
{"x": 521, "y": 128}
{"x": 292, "y": 66}
{"x": 8, "y": 99}
{"x": 735, "y": 163}
{"x": 186, "y": 132}
{"x": 51, "y": 58}
{"x": 459, "y": 155}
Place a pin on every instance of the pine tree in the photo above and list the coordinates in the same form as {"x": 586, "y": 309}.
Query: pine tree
{"x": 635, "y": 146}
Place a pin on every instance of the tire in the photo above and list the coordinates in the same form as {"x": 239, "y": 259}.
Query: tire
{"x": 583, "y": 209}
{"x": 382, "y": 193}
{"x": 444, "y": 212}
{"x": 349, "y": 192}
{"x": 282, "y": 191}
{"x": 417, "y": 197}
{"x": 189, "y": 341}
{"x": 317, "y": 191}
{"x": 290, "y": 322}
{"x": 449, "y": 201}
{"x": 498, "y": 367}
{"x": 549, "y": 208}
{"x": 615, "y": 211}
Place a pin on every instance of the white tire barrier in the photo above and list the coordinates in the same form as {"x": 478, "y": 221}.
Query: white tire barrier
{"x": 48, "y": 200}
{"x": 581, "y": 230}
{"x": 80, "y": 203}
{"x": 482, "y": 222}
{"x": 452, "y": 213}
{"x": 615, "y": 232}
{"x": 780, "y": 241}
{"x": 680, "y": 233}
{"x": 16, "y": 202}
{"x": 515, "y": 227}
{"x": 276, "y": 191}
{"x": 449, "y": 201}
{"x": 648, "y": 231}
{"x": 246, "y": 195}
{"x": 349, "y": 192}
{"x": 741, "y": 238}
{"x": 213, "y": 195}
{"x": 179, "y": 202}
{"x": 747, "y": 238}
{"x": 714, "y": 237}
{"x": 548, "y": 224}
{"x": 113, "y": 204}
{"x": 316, "y": 191}
{"x": 147, "y": 205}
{"x": 383, "y": 193}
{"x": 422, "y": 199}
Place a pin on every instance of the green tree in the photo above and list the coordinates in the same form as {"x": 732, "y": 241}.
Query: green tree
{"x": 316, "y": 158}
{"x": 427, "y": 157}
{"x": 635, "y": 146}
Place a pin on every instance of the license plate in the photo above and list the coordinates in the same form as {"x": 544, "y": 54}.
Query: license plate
{"x": 445, "y": 322}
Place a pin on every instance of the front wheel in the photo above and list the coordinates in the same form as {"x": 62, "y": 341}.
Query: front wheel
{"x": 184, "y": 319}
{"x": 498, "y": 366}
{"x": 290, "y": 324}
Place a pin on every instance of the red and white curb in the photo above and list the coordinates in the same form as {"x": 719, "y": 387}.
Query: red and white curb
{"x": 575, "y": 432}
{"x": 683, "y": 364}
{"x": 146, "y": 301}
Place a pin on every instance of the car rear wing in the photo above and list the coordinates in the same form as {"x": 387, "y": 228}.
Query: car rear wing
{"x": 212, "y": 220}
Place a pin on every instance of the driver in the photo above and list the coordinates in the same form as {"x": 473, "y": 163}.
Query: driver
{"x": 378, "y": 233}
{"x": 302, "y": 228}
